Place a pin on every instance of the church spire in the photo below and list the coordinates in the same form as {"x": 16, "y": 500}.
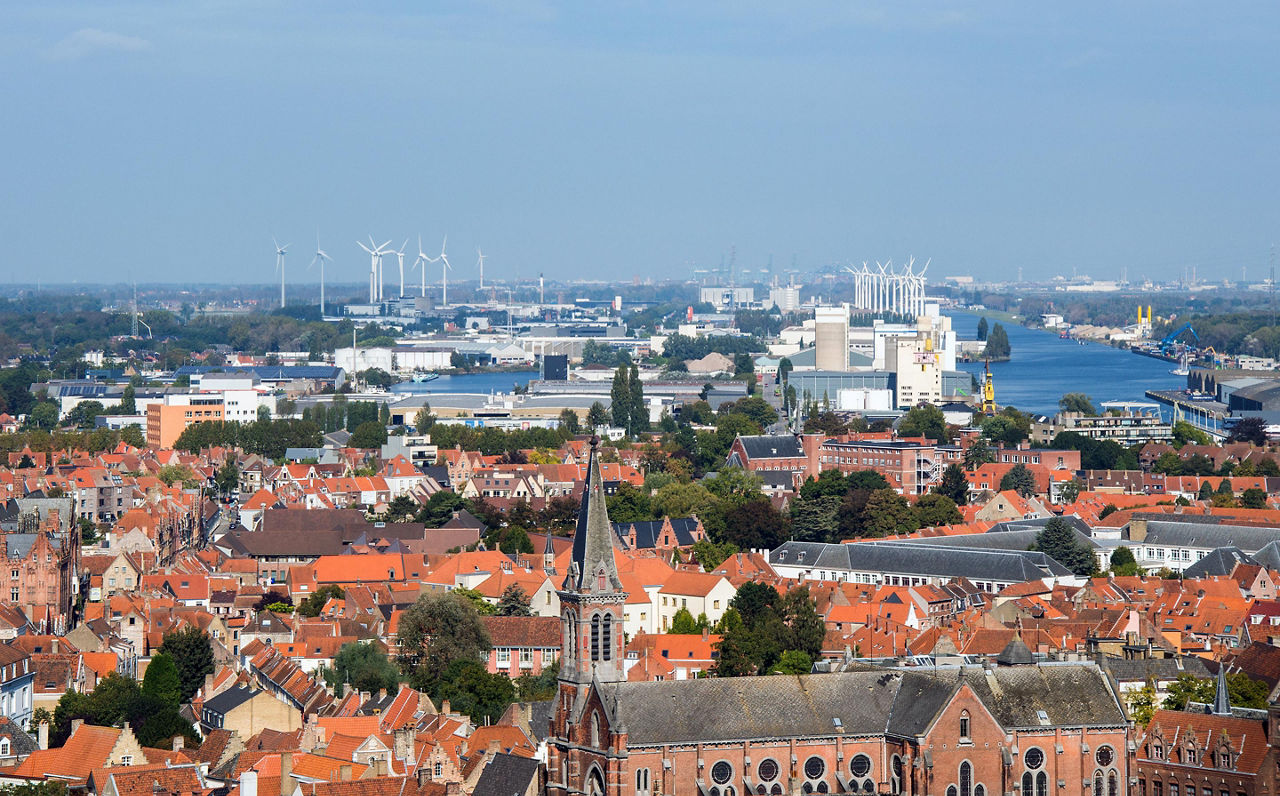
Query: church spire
{"x": 1222, "y": 698}
{"x": 593, "y": 568}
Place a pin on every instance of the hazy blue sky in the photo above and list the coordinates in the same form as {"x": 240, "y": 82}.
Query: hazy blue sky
{"x": 608, "y": 140}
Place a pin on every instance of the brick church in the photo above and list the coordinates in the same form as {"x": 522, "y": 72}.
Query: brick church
{"x": 1016, "y": 729}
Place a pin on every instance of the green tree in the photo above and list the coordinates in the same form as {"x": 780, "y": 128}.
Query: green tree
{"x": 1142, "y": 704}
{"x": 1071, "y": 490}
{"x": 370, "y": 434}
{"x": 1249, "y": 429}
{"x": 814, "y": 520}
{"x": 683, "y": 623}
{"x": 363, "y": 666}
{"x": 1077, "y": 403}
{"x": 597, "y": 416}
{"x": 629, "y": 504}
{"x": 472, "y": 690}
{"x": 934, "y": 509}
{"x": 1253, "y": 498}
{"x": 162, "y": 681}
{"x": 1019, "y": 479}
{"x": 639, "y": 411}
{"x": 977, "y": 454}
{"x": 83, "y": 414}
{"x": 998, "y": 344}
{"x": 793, "y": 662}
{"x": 1058, "y": 541}
{"x": 1184, "y": 433}
{"x": 710, "y": 554}
{"x": 887, "y": 513}
{"x": 514, "y": 602}
{"x": 192, "y": 652}
{"x": 1242, "y": 691}
{"x": 983, "y": 328}
{"x": 954, "y": 485}
{"x": 314, "y": 602}
{"x": 620, "y": 399}
{"x": 924, "y": 421}
{"x": 477, "y": 600}
{"x": 438, "y": 630}
{"x": 569, "y": 421}
{"x": 423, "y": 420}
{"x": 1123, "y": 562}
{"x": 1206, "y": 491}
{"x": 227, "y": 478}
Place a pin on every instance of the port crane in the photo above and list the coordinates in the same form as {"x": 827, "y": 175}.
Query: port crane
{"x": 1171, "y": 339}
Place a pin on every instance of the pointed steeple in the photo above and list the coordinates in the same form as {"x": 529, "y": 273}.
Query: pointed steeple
{"x": 593, "y": 568}
{"x": 1222, "y": 699}
{"x": 549, "y": 557}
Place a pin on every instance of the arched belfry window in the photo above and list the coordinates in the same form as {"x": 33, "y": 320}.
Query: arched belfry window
{"x": 606, "y": 647}
{"x": 595, "y": 637}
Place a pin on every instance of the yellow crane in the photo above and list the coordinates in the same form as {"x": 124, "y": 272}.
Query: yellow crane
{"x": 988, "y": 392}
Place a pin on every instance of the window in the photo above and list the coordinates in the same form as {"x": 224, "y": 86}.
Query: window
{"x": 126, "y": 760}
{"x": 526, "y": 656}
{"x": 1042, "y": 784}
{"x": 608, "y": 638}
{"x": 439, "y": 770}
{"x": 860, "y": 766}
{"x": 642, "y": 782}
{"x": 4, "y": 747}
{"x": 721, "y": 772}
{"x": 595, "y": 637}
{"x": 1173, "y": 789}
{"x": 966, "y": 779}
{"x": 964, "y": 729}
{"x": 504, "y": 656}
{"x": 815, "y": 767}
{"x": 978, "y": 790}
{"x": 548, "y": 656}
{"x": 767, "y": 771}
{"x": 951, "y": 790}
{"x": 1033, "y": 758}
{"x": 1104, "y": 755}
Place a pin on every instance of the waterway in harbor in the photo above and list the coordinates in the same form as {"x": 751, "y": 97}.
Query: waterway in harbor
{"x": 1044, "y": 367}
{"x": 469, "y": 383}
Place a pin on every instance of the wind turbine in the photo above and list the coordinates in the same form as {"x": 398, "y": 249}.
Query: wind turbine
{"x": 375, "y": 263}
{"x": 280, "y": 253}
{"x": 320, "y": 258}
{"x": 480, "y": 262}
{"x": 400, "y": 258}
{"x": 421, "y": 263}
{"x": 445, "y": 268}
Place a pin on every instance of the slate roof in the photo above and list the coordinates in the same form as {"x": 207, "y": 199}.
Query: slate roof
{"x": 21, "y": 743}
{"x": 1014, "y": 539}
{"x": 1219, "y": 561}
{"x": 920, "y": 557}
{"x": 507, "y": 775}
{"x": 1171, "y": 533}
{"x": 1145, "y": 670}
{"x": 866, "y": 702}
{"x": 772, "y": 446}
{"x": 230, "y": 699}
{"x": 647, "y": 531}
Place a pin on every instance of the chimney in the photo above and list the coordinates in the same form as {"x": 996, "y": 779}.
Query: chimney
{"x": 42, "y": 735}
{"x": 379, "y": 767}
{"x": 55, "y": 645}
{"x": 444, "y": 707}
{"x": 493, "y": 749}
{"x": 75, "y": 725}
{"x": 344, "y": 772}
{"x": 286, "y": 773}
{"x": 706, "y": 634}
{"x": 178, "y": 742}
{"x": 249, "y": 783}
{"x": 453, "y": 789}
{"x": 424, "y": 776}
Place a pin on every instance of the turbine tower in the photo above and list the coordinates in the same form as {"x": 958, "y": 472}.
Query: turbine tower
{"x": 400, "y": 259}
{"x": 480, "y": 262}
{"x": 375, "y": 267}
{"x": 280, "y": 253}
{"x": 444, "y": 274}
{"x": 320, "y": 257}
{"x": 421, "y": 263}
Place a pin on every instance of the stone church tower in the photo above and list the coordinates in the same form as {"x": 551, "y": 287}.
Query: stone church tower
{"x": 591, "y": 604}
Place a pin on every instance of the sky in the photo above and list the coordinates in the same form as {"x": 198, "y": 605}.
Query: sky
{"x": 162, "y": 141}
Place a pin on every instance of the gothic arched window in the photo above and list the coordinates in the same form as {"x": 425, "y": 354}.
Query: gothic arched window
{"x": 1042, "y": 784}
{"x": 607, "y": 633}
{"x": 966, "y": 779}
{"x": 595, "y": 637}
{"x": 1112, "y": 784}
{"x": 964, "y": 728}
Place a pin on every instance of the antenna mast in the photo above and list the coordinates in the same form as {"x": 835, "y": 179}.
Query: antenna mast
{"x": 134, "y": 329}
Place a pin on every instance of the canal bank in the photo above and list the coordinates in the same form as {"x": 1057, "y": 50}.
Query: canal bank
{"x": 1044, "y": 367}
